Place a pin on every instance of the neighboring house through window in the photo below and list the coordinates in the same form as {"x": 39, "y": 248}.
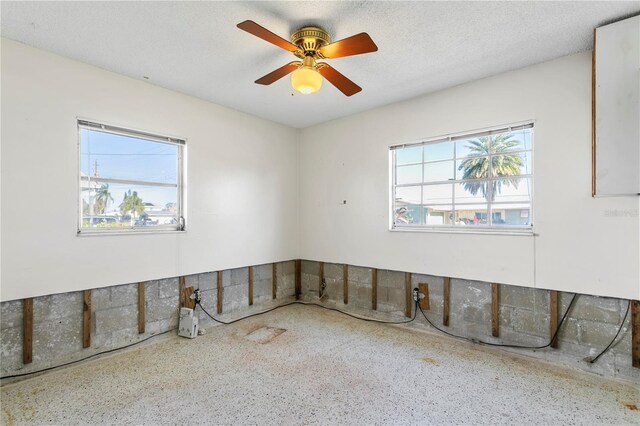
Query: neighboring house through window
{"x": 479, "y": 180}
{"x": 129, "y": 180}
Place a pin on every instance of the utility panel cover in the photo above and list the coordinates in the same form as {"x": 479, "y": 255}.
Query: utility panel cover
{"x": 617, "y": 108}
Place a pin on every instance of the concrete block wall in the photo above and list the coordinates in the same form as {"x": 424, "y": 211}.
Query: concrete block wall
{"x": 391, "y": 296}
{"x": 58, "y": 318}
{"x": 523, "y": 315}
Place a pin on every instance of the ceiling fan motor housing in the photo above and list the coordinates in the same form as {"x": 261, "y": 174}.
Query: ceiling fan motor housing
{"x": 310, "y": 40}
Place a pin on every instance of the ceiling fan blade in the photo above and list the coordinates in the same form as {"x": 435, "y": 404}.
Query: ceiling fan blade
{"x": 258, "y": 31}
{"x": 279, "y": 73}
{"x": 341, "y": 82}
{"x": 354, "y": 45}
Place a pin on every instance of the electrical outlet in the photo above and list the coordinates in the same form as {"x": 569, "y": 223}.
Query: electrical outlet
{"x": 197, "y": 296}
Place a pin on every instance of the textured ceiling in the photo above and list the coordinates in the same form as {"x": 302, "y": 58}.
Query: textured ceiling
{"x": 195, "y": 47}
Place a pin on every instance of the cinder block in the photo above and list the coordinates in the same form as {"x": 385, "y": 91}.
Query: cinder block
{"x": 471, "y": 292}
{"x": 10, "y": 349}
{"x": 600, "y": 309}
{"x": 390, "y": 279}
{"x": 123, "y": 295}
{"x": 192, "y": 281}
{"x": 126, "y": 336}
{"x": 263, "y": 272}
{"x": 286, "y": 283}
{"x": 151, "y": 290}
{"x": 261, "y": 288}
{"x": 524, "y": 297}
{"x": 53, "y": 339}
{"x": 531, "y": 322}
{"x": 101, "y": 298}
{"x": 511, "y": 337}
{"x": 235, "y": 297}
{"x": 309, "y": 283}
{"x": 436, "y": 303}
{"x": 596, "y": 334}
{"x": 11, "y": 314}
{"x": 363, "y": 297}
{"x": 570, "y": 331}
{"x": 159, "y": 309}
{"x": 333, "y": 271}
{"x": 57, "y": 306}
{"x": 116, "y": 319}
{"x": 334, "y": 289}
{"x": 286, "y": 268}
{"x": 360, "y": 275}
{"x": 239, "y": 276}
{"x": 168, "y": 287}
{"x": 390, "y": 308}
{"x": 208, "y": 281}
{"x": 210, "y": 300}
{"x": 156, "y": 327}
{"x": 481, "y": 331}
{"x": 479, "y": 314}
{"x": 396, "y": 297}
{"x": 309, "y": 267}
{"x": 505, "y": 315}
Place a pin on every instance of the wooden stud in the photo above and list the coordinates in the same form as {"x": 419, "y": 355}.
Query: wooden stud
{"x": 27, "y": 330}
{"x": 374, "y": 289}
{"x": 181, "y": 286}
{"x": 635, "y": 333}
{"x": 446, "y": 289}
{"x": 320, "y": 279}
{"x": 86, "y": 319}
{"x": 141, "y": 308}
{"x": 250, "y": 285}
{"x": 407, "y": 294}
{"x": 495, "y": 306}
{"x": 219, "y": 292}
{"x": 188, "y": 301}
{"x": 424, "y": 302}
{"x": 274, "y": 281}
{"x": 553, "y": 317}
{"x": 345, "y": 283}
{"x": 298, "y": 278}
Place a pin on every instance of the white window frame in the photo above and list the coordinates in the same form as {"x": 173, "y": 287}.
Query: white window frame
{"x": 482, "y": 229}
{"x": 181, "y": 143}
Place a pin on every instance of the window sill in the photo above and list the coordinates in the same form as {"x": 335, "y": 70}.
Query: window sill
{"x": 521, "y": 232}
{"x": 128, "y": 232}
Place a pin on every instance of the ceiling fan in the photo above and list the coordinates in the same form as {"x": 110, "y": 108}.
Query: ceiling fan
{"x": 311, "y": 44}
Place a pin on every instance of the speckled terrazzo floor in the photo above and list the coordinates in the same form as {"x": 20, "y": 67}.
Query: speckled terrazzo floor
{"x": 324, "y": 369}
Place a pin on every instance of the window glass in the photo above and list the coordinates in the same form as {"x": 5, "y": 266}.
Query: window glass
{"x": 482, "y": 180}
{"x": 128, "y": 181}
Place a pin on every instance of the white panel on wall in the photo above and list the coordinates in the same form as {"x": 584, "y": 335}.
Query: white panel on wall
{"x": 617, "y": 108}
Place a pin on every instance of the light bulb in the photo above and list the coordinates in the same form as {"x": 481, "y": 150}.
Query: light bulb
{"x": 306, "y": 80}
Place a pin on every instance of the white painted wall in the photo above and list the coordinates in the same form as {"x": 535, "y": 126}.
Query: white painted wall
{"x": 242, "y": 180}
{"x": 244, "y": 196}
{"x": 583, "y": 245}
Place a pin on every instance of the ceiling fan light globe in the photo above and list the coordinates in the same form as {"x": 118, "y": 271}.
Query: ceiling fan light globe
{"x": 306, "y": 80}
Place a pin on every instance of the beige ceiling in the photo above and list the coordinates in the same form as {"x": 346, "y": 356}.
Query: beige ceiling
{"x": 195, "y": 47}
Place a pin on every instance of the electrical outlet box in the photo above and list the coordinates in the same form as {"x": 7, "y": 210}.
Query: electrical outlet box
{"x": 188, "y": 325}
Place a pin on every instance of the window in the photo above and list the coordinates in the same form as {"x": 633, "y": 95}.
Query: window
{"x": 129, "y": 180}
{"x": 482, "y": 180}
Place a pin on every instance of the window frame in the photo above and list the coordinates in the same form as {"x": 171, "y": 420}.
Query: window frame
{"x": 452, "y": 137}
{"x": 179, "y": 142}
